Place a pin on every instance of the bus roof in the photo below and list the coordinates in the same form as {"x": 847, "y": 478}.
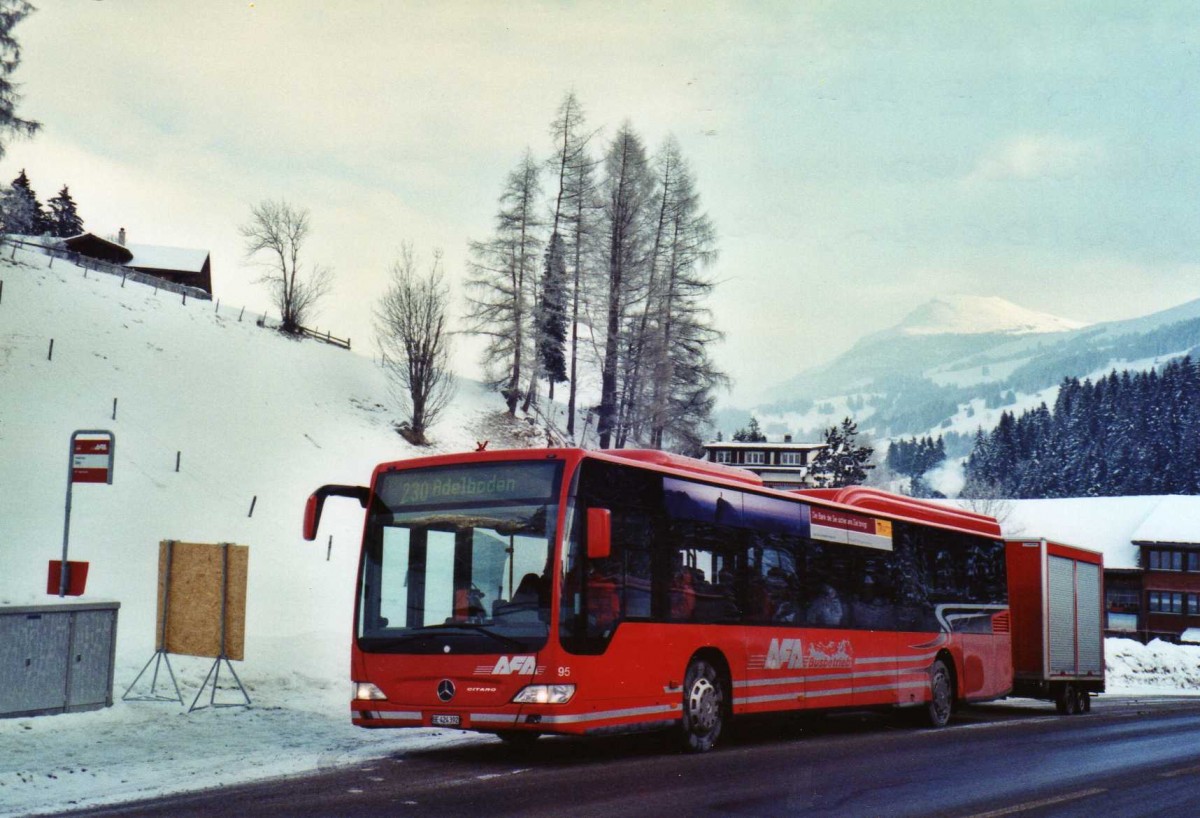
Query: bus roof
{"x": 884, "y": 502}
{"x": 855, "y": 497}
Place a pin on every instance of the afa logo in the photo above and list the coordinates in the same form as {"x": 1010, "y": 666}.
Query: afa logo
{"x": 784, "y": 653}
{"x": 515, "y": 666}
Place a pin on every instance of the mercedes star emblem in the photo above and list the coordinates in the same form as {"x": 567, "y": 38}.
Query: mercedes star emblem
{"x": 445, "y": 690}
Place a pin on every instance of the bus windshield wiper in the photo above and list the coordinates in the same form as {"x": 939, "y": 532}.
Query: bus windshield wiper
{"x": 516, "y": 644}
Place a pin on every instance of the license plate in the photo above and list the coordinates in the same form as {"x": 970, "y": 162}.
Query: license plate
{"x": 446, "y": 720}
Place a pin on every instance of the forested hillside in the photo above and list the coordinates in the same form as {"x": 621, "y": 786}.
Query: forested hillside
{"x": 1124, "y": 434}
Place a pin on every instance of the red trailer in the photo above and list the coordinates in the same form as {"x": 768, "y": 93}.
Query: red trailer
{"x": 1055, "y": 597}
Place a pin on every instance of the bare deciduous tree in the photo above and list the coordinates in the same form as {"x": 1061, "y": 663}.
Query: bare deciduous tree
{"x": 275, "y": 236}
{"x": 411, "y": 329}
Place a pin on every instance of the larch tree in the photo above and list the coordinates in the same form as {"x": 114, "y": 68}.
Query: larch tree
{"x": 411, "y": 328}
{"x": 573, "y": 220}
{"x": 502, "y": 273}
{"x": 627, "y": 190}
{"x": 274, "y": 239}
{"x": 683, "y": 389}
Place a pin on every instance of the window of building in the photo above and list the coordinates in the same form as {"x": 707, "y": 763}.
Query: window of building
{"x": 1168, "y": 602}
{"x": 1162, "y": 559}
{"x": 755, "y": 459}
{"x": 723, "y": 456}
{"x": 791, "y": 459}
{"x": 1122, "y": 599}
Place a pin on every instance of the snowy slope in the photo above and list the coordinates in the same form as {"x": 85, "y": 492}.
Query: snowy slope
{"x": 252, "y": 415}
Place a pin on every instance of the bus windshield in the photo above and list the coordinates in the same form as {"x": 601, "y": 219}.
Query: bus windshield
{"x": 457, "y": 558}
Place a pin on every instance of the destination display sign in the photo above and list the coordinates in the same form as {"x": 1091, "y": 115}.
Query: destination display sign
{"x": 534, "y": 481}
{"x": 850, "y": 528}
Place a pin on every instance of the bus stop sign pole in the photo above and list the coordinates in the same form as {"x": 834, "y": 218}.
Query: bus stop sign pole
{"x": 91, "y": 461}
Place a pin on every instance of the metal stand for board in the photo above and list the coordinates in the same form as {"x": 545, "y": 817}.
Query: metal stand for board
{"x": 214, "y": 673}
{"x": 160, "y": 655}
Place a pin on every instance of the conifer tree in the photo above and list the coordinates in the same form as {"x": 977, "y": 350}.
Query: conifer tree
{"x": 751, "y": 434}
{"x": 842, "y": 461}
{"x": 64, "y": 218}
{"x": 23, "y": 214}
{"x": 552, "y": 315}
{"x": 11, "y": 13}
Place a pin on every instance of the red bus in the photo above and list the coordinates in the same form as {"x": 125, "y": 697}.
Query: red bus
{"x": 583, "y": 592}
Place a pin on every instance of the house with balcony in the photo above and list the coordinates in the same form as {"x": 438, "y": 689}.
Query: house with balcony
{"x": 782, "y": 465}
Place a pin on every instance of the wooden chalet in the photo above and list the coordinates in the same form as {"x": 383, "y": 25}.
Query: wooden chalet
{"x": 180, "y": 265}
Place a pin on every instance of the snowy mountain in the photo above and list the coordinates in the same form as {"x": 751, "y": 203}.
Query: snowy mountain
{"x": 955, "y": 363}
{"x": 977, "y": 315}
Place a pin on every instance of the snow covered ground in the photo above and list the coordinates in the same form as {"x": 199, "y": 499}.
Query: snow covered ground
{"x": 252, "y": 417}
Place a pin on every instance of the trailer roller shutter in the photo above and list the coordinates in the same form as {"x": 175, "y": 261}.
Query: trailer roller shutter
{"x": 1087, "y": 607}
{"x": 1061, "y": 579}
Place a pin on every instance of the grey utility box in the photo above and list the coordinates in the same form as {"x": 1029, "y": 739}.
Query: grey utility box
{"x": 57, "y": 658}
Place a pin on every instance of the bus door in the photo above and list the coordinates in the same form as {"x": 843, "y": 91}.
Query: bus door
{"x": 872, "y": 616}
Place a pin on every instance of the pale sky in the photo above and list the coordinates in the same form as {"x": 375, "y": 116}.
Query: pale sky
{"x": 856, "y": 158}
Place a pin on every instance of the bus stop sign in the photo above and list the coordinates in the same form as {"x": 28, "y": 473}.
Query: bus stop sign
{"x": 91, "y": 459}
{"x": 91, "y": 462}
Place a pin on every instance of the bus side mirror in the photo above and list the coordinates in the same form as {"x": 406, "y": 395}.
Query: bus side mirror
{"x": 599, "y": 533}
{"x": 316, "y": 502}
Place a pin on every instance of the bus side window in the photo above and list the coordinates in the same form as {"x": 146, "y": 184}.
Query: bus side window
{"x": 827, "y": 603}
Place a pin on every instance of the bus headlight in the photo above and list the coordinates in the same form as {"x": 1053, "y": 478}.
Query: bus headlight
{"x": 365, "y": 691}
{"x": 545, "y": 694}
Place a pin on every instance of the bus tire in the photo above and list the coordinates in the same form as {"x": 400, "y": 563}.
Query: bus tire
{"x": 704, "y": 704}
{"x": 941, "y": 695}
{"x": 1066, "y": 702}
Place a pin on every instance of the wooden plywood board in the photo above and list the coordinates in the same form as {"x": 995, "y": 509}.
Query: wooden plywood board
{"x": 199, "y": 577}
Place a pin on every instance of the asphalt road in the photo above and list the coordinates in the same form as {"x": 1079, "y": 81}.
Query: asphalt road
{"x": 1128, "y": 757}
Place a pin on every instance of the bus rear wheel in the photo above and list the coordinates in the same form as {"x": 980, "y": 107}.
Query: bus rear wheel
{"x": 703, "y": 706}
{"x": 941, "y": 695}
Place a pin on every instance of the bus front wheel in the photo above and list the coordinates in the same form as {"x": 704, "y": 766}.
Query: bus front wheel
{"x": 703, "y": 706}
{"x": 941, "y": 695}
{"x": 518, "y": 739}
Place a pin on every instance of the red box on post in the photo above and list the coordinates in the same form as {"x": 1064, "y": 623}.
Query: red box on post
{"x": 76, "y": 577}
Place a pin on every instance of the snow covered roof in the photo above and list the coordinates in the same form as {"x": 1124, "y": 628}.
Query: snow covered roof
{"x": 1176, "y": 519}
{"x": 739, "y": 444}
{"x": 1111, "y": 525}
{"x": 154, "y": 257}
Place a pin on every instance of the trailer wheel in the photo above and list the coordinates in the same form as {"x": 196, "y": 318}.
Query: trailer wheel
{"x": 1083, "y": 701}
{"x": 941, "y": 695}
{"x": 1066, "y": 701}
{"x": 703, "y": 706}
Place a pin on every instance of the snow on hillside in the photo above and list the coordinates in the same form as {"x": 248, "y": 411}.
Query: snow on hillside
{"x": 251, "y": 414}
{"x": 254, "y": 417}
{"x": 977, "y": 315}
